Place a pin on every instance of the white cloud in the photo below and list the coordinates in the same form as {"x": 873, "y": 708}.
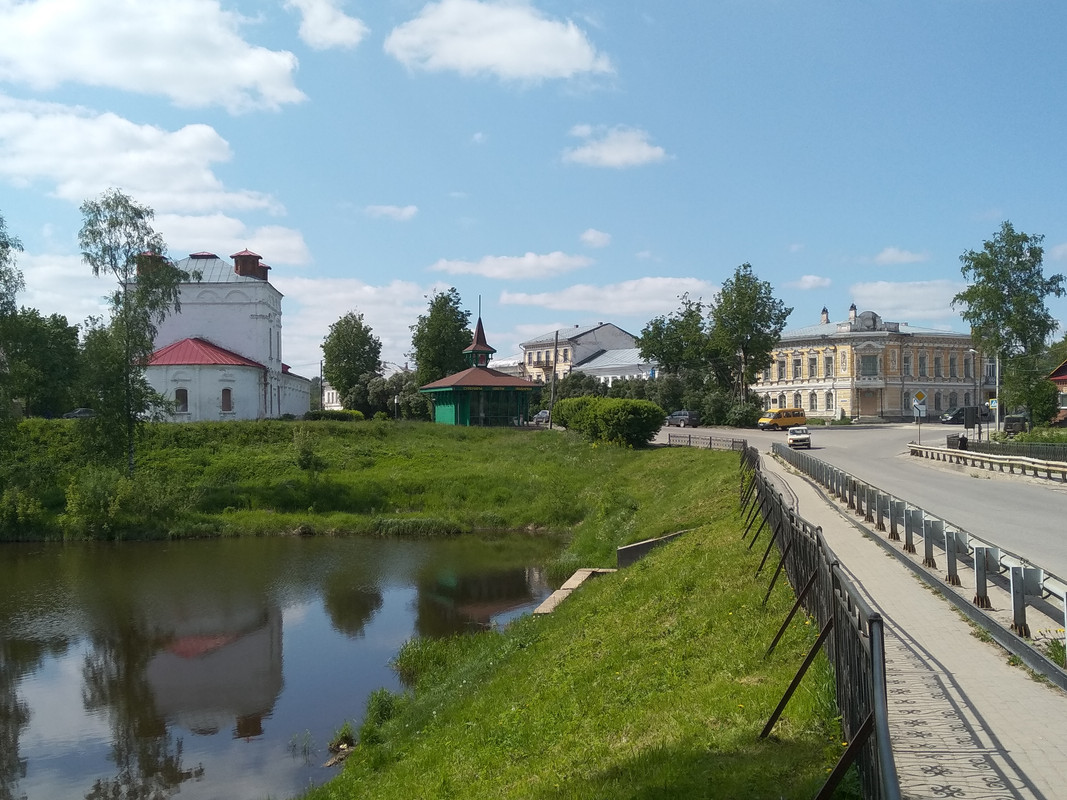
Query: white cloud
{"x": 530, "y": 265}
{"x": 511, "y": 40}
{"x": 894, "y": 255}
{"x": 594, "y": 238}
{"x": 1058, "y": 253}
{"x": 615, "y": 147}
{"x": 63, "y": 284}
{"x": 225, "y": 235}
{"x": 908, "y": 301}
{"x": 478, "y": 138}
{"x": 190, "y": 51}
{"x": 809, "y": 282}
{"x": 648, "y": 296}
{"x": 795, "y": 248}
{"x": 324, "y": 25}
{"x": 312, "y": 305}
{"x": 398, "y": 213}
{"x": 83, "y": 153}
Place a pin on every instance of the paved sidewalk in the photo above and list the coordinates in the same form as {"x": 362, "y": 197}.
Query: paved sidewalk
{"x": 963, "y": 722}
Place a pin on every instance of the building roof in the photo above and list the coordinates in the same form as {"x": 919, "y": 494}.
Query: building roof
{"x": 611, "y": 359}
{"x": 566, "y": 334}
{"x": 478, "y": 378}
{"x": 479, "y": 345}
{"x": 842, "y": 328}
{"x": 198, "y": 352}
{"x": 213, "y": 269}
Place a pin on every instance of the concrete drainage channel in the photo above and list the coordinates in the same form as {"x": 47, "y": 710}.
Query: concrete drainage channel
{"x": 624, "y": 557}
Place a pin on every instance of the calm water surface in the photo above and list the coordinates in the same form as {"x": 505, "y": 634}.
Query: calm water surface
{"x": 220, "y": 669}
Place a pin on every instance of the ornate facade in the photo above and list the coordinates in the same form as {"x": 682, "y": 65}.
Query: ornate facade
{"x": 865, "y": 367}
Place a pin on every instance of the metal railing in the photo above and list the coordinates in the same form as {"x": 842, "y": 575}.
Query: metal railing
{"x": 704, "y": 440}
{"x": 992, "y": 461}
{"x": 1037, "y": 450}
{"x": 850, "y": 632}
{"x": 1026, "y": 582}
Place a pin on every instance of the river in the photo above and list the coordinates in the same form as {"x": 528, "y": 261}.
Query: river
{"x": 220, "y": 669}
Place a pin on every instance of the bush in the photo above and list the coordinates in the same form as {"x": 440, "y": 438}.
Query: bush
{"x": 334, "y": 415}
{"x": 631, "y": 423}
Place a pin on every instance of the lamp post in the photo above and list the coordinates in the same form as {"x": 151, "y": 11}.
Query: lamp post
{"x": 974, "y": 377}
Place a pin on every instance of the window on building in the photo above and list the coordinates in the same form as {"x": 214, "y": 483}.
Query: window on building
{"x": 781, "y": 370}
{"x": 937, "y": 401}
{"x": 829, "y": 401}
{"x": 566, "y": 354}
{"x": 796, "y": 369}
{"x": 828, "y": 367}
{"x": 181, "y": 401}
{"x": 869, "y": 366}
{"x": 813, "y": 367}
{"x": 952, "y": 366}
{"x": 796, "y": 400}
{"x": 813, "y": 401}
{"x": 968, "y": 369}
{"x": 529, "y": 357}
{"x": 766, "y": 401}
{"x": 767, "y": 375}
{"x": 781, "y": 400}
{"x": 538, "y": 357}
{"x": 953, "y": 400}
{"x": 227, "y": 399}
{"x": 938, "y": 370}
{"x": 966, "y": 398}
{"x": 905, "y": 364}
{"x": 922, "y": 365}
{"x": 907, "y": 403}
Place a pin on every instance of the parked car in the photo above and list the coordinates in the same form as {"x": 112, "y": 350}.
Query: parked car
{"x": 80, "y": 413}
{"x": 781, "y": 419}
{"x": 541, "y": 417}
{"x": 798, "y": 436}
{"x": 683, "y": 419}
{"x": 1015, "y": 423}
{"x": 954, "y": 416}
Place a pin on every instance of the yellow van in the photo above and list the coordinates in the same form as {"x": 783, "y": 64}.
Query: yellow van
{"x": 781, "y": 419}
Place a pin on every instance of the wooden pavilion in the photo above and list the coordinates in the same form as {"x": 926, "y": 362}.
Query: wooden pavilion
{"x": 479, "y": 395}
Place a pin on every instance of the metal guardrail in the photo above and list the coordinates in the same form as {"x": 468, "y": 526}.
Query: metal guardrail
{"x": 973, "y": 458}
{"x": 850, "y": 632}
{"x": 1027, "y": 582}
{"x": 704, "y": 440}
{"x": 1039, "y": 450}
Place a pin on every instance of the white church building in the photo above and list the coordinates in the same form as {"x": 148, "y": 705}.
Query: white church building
{"x": 220, "y": 357}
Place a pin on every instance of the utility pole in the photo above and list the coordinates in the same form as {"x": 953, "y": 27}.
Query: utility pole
{"x": 552, "y": 394}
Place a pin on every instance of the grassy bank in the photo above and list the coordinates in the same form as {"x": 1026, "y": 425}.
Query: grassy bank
{"x": 649, "y": 683}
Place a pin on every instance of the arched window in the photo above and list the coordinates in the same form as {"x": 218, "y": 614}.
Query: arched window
{"x": 829, "y": 401}
{"x": 966, "y": 398}
{"x": 227, "y": 399}
{"x": 796, "y": 399}
{"x": 813, "y": 401}
{"x": 781, "y": 400}
{"x": 181, "y": 401}
{"x": 766, "y": 401}
{"x": 937, "y": 401}
{"x": 953, "y": 400}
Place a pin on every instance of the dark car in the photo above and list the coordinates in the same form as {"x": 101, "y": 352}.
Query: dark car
{"x": 954, "y": 416}
{"x": 683, "y": 419}
{"x": 541, "y": 417}
{"x": 80, "y": 413}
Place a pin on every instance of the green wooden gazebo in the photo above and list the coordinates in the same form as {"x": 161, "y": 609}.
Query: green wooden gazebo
{"x": 480, "y": 395}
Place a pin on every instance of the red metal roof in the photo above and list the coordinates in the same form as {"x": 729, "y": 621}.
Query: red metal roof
{"x": 478, "y": 377}
{"x": 479, "y": 345}
{"x": 246, "y": 252}
{"x": 196, "y": 351}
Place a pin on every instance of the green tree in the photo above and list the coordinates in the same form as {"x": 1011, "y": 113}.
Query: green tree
{"x": 43, "y": 360}
{"x": 117, "y": 239}
{"x": 11, "y": 283}
{"x": 1005, "y": 306}
{"x": 350, "y": 351}
{"x": 439, "y": 338}
{"x": 678, "y": 342}
{"x": 746, "y": 324}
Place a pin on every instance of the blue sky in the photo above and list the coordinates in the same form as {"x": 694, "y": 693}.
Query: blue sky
{"x": 568, "y": 162}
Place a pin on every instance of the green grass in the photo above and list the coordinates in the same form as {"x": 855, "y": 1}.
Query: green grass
{"x": 647, "y": 683}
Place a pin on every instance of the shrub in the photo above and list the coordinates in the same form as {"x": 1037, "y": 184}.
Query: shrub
{"x": 334, "y": 415}
{"x": 631, "y": 423}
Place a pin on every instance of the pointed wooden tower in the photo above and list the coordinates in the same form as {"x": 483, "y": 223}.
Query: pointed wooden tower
{"x": 480, "y": 395}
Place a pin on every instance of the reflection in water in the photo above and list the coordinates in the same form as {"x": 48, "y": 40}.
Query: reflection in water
{"x": 177, "y": 650}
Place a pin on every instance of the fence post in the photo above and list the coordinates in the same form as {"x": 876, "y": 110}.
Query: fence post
{"x": 950, "y": 556}
{"x": 981, "y": 586}
{"x": 931, "y": 528}
{"x": 896, "y": 518}
{"x": 1018, "y": 603}
{"x": 912, "y": 517}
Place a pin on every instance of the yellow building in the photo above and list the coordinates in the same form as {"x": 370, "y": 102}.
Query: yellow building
{"x": 866, "y": 368}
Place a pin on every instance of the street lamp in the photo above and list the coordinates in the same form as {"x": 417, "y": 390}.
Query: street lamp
{"x": 974, "y": 377}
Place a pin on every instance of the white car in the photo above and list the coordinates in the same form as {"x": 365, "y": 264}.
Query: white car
{"x": 798, "y": 436}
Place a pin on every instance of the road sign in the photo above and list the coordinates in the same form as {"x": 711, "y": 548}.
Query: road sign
{"x": 920, "y": 397}
{"x": 919, "y": 409}
{"x": 993, "y": 403}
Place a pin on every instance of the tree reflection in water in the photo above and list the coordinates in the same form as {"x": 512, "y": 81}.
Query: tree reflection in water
{"x": 147, "y": 758}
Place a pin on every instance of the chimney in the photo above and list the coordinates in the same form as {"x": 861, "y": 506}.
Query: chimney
{"x": 247, "y": 264}
{"x": 852, "y": 313}
{"x": 825, "y": 318}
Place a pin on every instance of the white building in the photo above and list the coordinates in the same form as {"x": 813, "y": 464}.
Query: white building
{"x": 568, "y": 349}
{"x": 220, "y": 357}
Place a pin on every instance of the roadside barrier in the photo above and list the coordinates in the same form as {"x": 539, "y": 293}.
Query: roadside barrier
{"x": 850, "y": 633}
{"x": 1027, "y": 583}
{"x": 992, "y": 461}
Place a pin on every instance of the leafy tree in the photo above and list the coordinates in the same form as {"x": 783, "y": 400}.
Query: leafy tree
{"x": 1005, "y": 306}
{"x": 439, "y": 338}
{"x": 677, "y": 342}
{"x": 117, "y": 239}
{"x": 11, "y": 282}
{"x": 350, "y": 351}
{"x": 746, "y": 324}
{"x": 43, "y": 360}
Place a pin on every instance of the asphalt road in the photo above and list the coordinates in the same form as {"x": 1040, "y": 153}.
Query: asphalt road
{"x": 1025, "y": 515}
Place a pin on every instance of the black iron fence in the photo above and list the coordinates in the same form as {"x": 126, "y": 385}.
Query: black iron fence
{"x": 1042, "y": 452}
{"x": 850, "y": 632}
